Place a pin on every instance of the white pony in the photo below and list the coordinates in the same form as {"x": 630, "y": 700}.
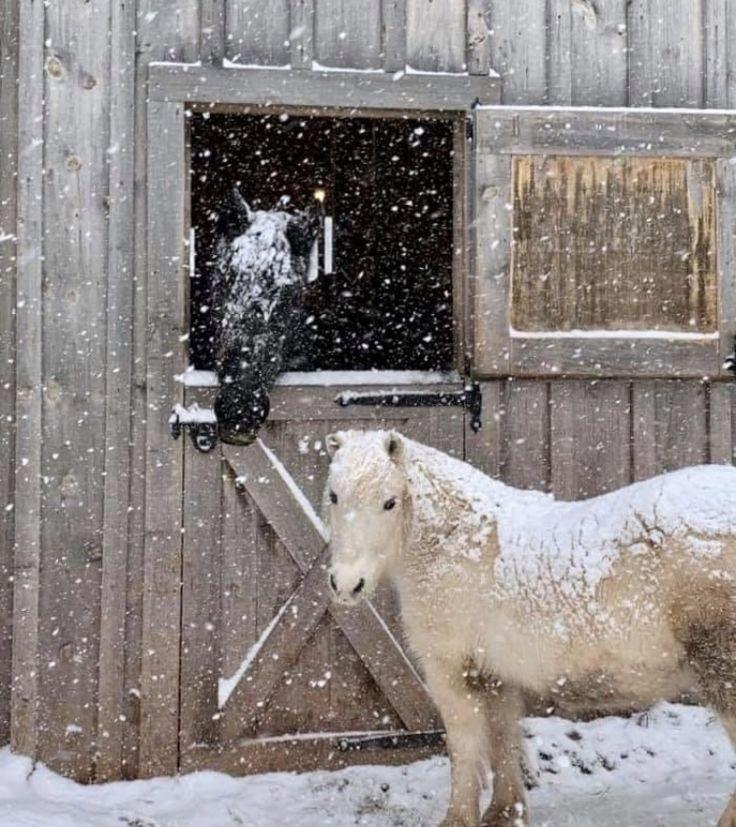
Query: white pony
{"x": 602, "y": 605}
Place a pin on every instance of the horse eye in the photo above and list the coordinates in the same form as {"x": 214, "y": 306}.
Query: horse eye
{"x": 333, "y": 497}
{"x": 389, "y": 504}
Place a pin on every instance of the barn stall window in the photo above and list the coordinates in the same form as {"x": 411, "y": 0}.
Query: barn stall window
{"x": 384, "y": 298}
{"x": 606, "y": 242}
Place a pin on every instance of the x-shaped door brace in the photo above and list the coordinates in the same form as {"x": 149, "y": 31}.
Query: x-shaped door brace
{"x": 285, "y": 507}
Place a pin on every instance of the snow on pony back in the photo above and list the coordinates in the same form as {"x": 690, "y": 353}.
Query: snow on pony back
{"x": 543, "y": 542}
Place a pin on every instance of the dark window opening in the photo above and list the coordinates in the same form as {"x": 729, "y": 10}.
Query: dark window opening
{"x": 388, "y": 187}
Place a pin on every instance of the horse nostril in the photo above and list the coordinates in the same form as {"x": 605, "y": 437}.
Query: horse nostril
{"x": 333, "y": 582}
{"x": 359, "y": 587}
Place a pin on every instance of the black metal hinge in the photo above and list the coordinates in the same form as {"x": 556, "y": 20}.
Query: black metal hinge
{"x": 470, "y": 398}
{"x": 729, "y": 363}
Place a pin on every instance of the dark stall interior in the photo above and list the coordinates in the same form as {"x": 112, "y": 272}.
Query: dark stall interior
{"x": 388, "y": 187}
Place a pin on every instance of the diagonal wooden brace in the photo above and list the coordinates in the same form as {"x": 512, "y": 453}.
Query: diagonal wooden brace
{"x": 283, "y": 505}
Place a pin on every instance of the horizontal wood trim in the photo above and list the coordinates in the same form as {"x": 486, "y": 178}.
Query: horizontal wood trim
{"x": 302, "y": 754}
{"x": 590, "y": 131}
{"x": 625, "y": 357}
{"x": 352, "y": 90}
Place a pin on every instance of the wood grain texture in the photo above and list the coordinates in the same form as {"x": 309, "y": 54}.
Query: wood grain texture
{"x": 720, "y": 53}
{"x": 518, "y": 47}
{"x": 479, "y": 37}
{"x": 613, "y": 244}
{"x": 598, "y": 52}
{"x": 372, "y": 91}
{"x": 667, "y": 58}
{"x": 436, "y": 35}
{"x": 347, "y": 33}
{"x": 9, "y": 57}
{"x": 590, "y": 430}
{"x": 111, "y": 713}
{"x": 212, "y": 16}
{"x": 165, "y": 358}
{"x": 29, "y": 379}
{"x": 720, "y": 422}
{"x": 301, "y": 33}
{"x": 258, "y": 32}
{"x": 76, "y": 123}
{"x": 525, "y": 449}
{"x": 726, "y": 258}
{"x": 393, "y": 34}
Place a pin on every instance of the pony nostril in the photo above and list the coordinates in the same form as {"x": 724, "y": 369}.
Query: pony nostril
{"x": 333, "y": 582}
{"x": 359, "y": 588}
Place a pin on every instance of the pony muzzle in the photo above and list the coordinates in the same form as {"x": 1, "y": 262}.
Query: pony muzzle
{"x": 347, "y": 592}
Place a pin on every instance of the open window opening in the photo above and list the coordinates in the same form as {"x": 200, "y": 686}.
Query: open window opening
{"x": 386, "y": 191}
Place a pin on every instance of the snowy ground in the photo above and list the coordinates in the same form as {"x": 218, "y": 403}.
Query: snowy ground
{"x": 672, "y": 766}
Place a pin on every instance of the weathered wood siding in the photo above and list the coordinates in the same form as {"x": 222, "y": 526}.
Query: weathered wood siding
{"x": 76, "y": 306}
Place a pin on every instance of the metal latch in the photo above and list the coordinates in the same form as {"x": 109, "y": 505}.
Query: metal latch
{"x": 470, "y": 398}
{"x": 200, "y": 422}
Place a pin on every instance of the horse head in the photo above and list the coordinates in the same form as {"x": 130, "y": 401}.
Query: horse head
{"x": 261, "y": 277}
{"x": 367, "y": 509}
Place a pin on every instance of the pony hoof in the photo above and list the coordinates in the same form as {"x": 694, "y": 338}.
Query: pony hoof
{"x": 507, "y": 817}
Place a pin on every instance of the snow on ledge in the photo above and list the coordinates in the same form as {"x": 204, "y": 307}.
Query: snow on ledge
{"x": 666, "y": 335}
{"x": 331, "y": 378}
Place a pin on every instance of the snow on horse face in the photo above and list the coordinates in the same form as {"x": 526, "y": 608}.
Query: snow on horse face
{"x": 261, "y": 277}
{"x": 596, "y": 606}
{"x": 365, "y": 505}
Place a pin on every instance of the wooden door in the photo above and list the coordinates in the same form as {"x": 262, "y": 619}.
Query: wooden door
{"x": 301, "y": 683}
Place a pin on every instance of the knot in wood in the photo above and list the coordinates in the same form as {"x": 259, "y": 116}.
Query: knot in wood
{"x": 54, "y": 68}
{"x": 73, "y": 163}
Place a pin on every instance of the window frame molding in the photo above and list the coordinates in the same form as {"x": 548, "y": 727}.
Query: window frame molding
{"x": 505, "y": 131}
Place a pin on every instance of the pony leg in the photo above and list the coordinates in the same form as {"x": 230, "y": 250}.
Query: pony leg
{"x": 503, "y": 711}
{"x": 463, "y": 713}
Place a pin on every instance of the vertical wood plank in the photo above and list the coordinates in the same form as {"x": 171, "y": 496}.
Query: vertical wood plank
{"x": 726, "y": 259}
{"x": 8, "y": 225}
{"x": 166, "y": 30}
{"x": 720, "y": 423}
{"x": 599, "y": 53}
{"x": 301, "y": 36}
{"x": 200, "y": 598}
{"x": 164, "y": 478}
{"x": 590, "y": 429}
{"x": 670, "y": 426}
{"x": 720, "y": 54}
{"x": 347, "y": 33}
{"x": 29, "y": 317}
{"x": 518, "y": 46}
{"x": 212, "y": 30}
{"x": 492, "y": 247}
{"x": 483, "y": 449}
{"x": 479, "y": 37}
{"x": 525, "y": 449}
{"x": 258, "y": 32}
{"x": 76, "y": 127}
{"x": 435, "y": 35}
{"x": 393, "y": 32}
{"x": 111, "y": 716}
{"x": 559, "y": 52}
{"x": 666, "y": 62}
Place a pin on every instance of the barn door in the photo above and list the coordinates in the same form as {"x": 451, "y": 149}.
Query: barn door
{"x": 272, "y": 675}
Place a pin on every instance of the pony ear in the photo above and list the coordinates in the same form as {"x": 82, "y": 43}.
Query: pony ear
{"x": 394, "y": 444}
{"x": 333, "y": 443}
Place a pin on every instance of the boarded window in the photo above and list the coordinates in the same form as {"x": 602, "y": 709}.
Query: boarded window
{"x": 613, "y": 243}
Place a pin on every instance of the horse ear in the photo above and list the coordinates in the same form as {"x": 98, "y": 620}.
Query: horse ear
{"x": 333, "y": 443}
{"x": 394, "y": 445}
{"x": 242, "y": 205}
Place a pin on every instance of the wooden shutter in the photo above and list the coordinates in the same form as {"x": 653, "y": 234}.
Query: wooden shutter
{"x": 604, "y": 241}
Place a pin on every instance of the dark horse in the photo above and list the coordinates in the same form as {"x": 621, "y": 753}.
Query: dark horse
{"x": 261, "y": 274}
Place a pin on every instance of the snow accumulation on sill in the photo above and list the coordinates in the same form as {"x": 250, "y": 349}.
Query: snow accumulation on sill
{"x": 192, "y": 378}
{"x": 192, "y": 414}
{"x": 667, "y": 335}
{"x": 605, "y": 110}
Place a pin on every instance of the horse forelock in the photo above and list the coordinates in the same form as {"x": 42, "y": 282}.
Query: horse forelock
{"x": 362, "y": 465}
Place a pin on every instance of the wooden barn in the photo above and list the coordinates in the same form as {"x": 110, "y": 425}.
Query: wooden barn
{"x": 549, "y": 188}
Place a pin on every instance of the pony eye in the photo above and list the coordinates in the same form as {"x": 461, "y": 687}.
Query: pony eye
{"x": 333, "y": 498}
{"x": 389, "y": 504}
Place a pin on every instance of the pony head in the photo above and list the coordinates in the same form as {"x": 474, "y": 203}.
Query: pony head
{"x": 262, "y": 274}
{"x": 366, "y": 504}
